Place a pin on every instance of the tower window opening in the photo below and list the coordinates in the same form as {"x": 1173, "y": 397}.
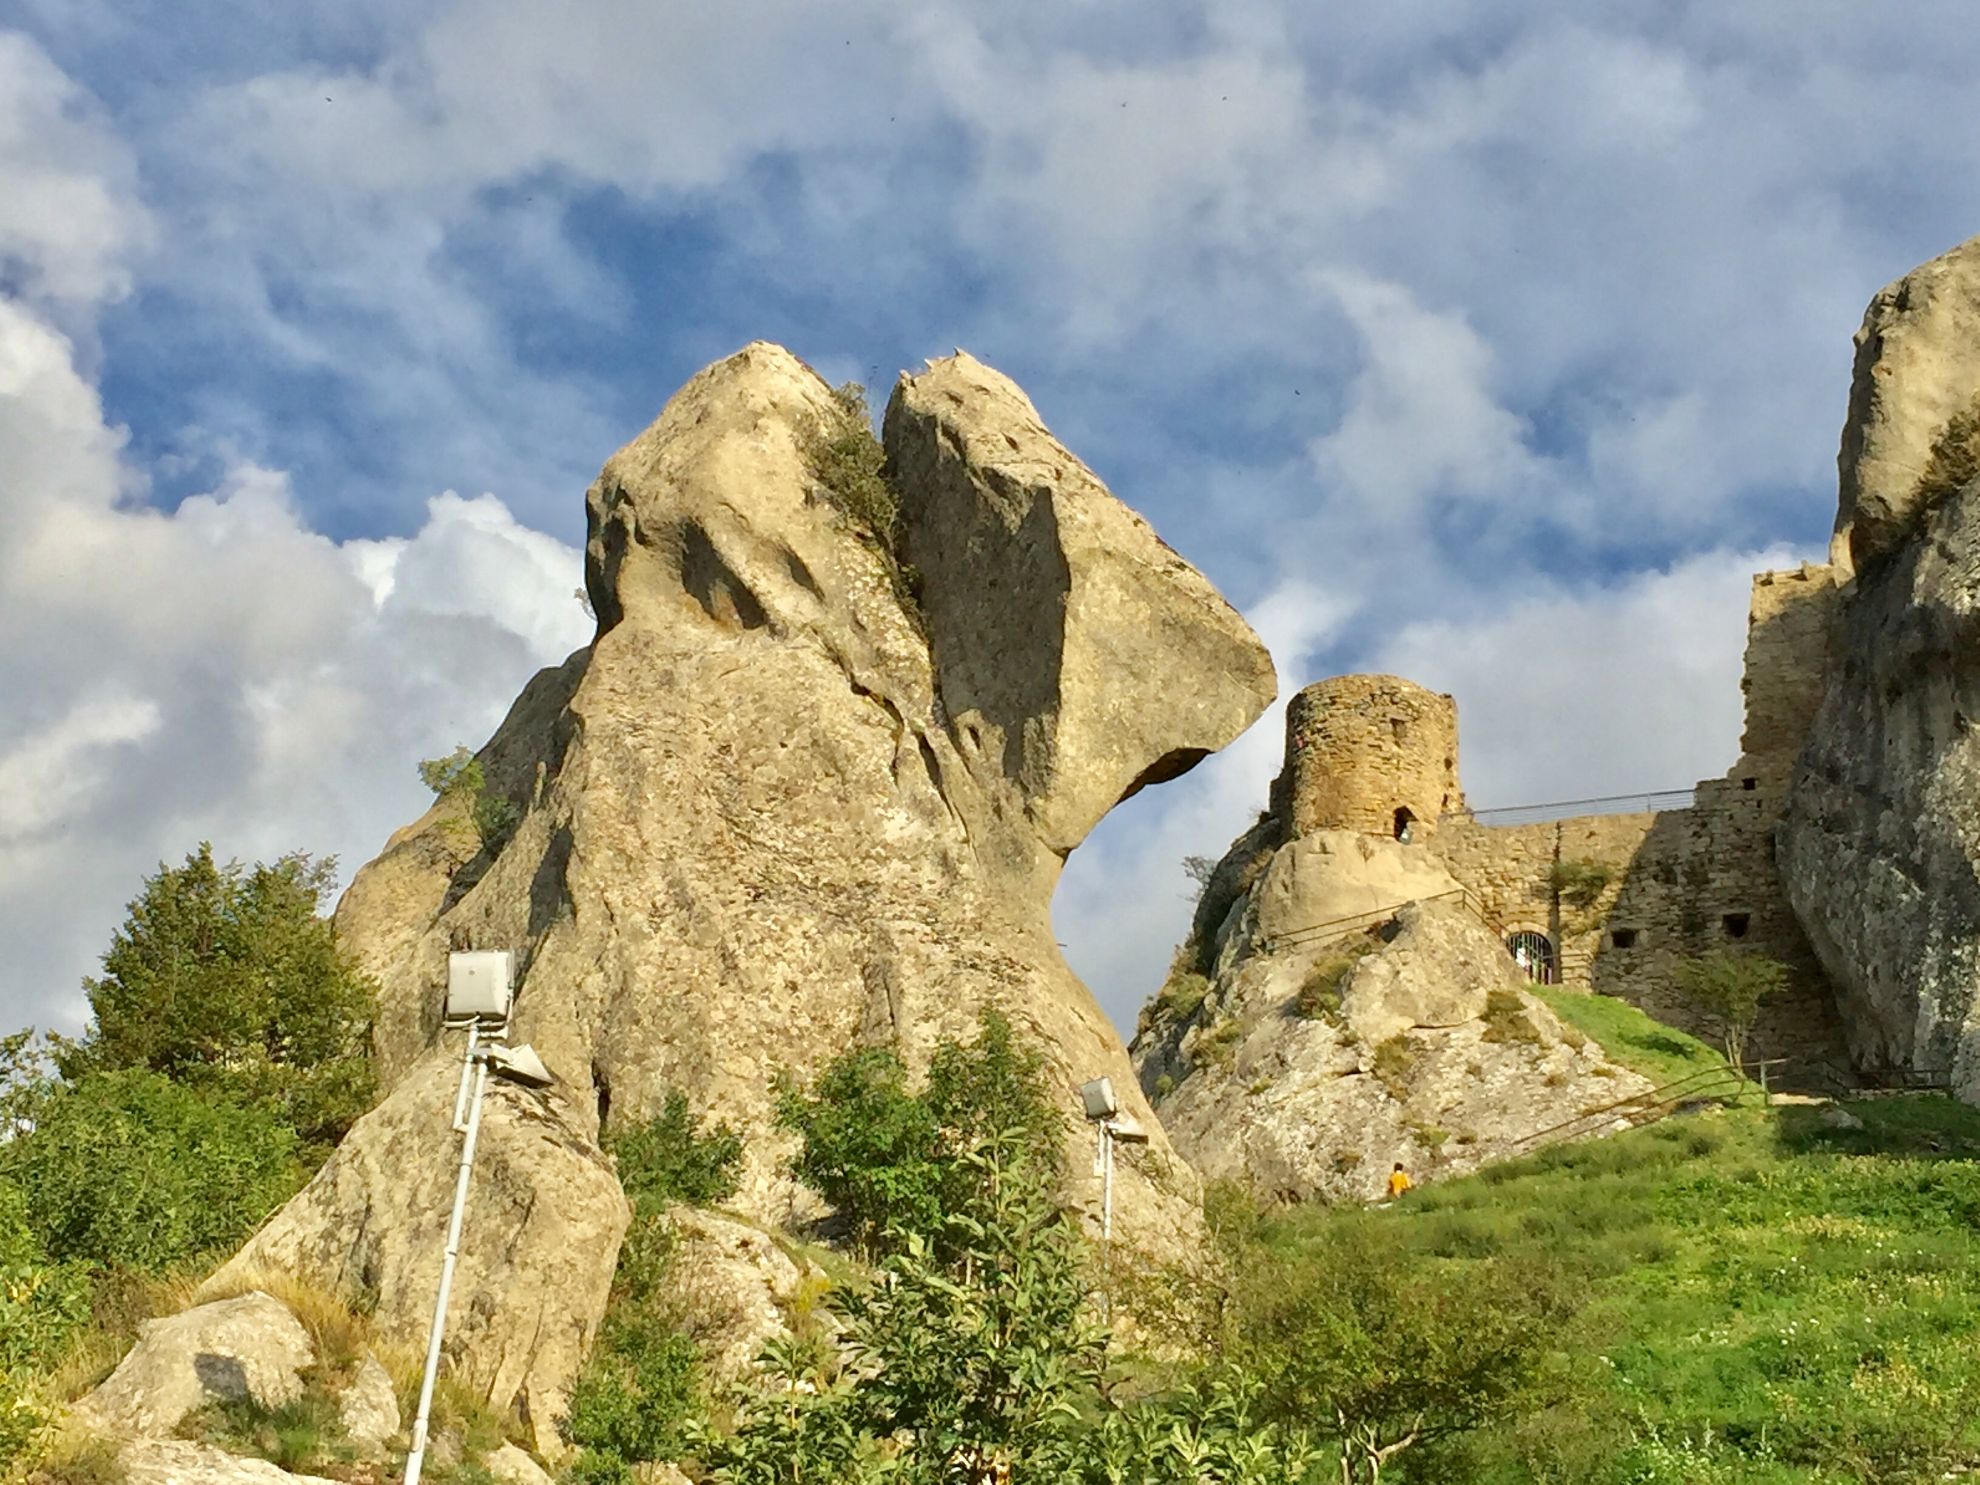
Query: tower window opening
{"x": 1736, "y": 924}
{"x": 1405, "y": 822}
{"x": 1622, "y": 938}
{"x": 1749, "y": 784}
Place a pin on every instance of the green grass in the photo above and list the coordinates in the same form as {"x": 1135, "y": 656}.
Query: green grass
{"x": 1663, "y": 1054}
{"x": 1766, "y": 1300}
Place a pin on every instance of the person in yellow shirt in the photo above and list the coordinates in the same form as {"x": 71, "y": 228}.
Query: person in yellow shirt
{"x": 1399, "y": 1181}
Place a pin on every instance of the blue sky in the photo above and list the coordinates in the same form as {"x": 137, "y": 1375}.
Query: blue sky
{"x": 1492, "y": 344}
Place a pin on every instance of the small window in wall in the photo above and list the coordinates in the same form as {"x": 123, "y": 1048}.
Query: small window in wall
{"x": 1736, "y": 924}
{"x": 1622, "y": 938}
{"x": 1749, "y": 784}
{"x": 1405, "y": 819}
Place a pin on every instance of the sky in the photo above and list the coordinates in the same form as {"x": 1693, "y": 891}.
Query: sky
{"x": 1494, "y": 345}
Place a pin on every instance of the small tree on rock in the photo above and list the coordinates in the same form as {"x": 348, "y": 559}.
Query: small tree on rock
{"x": 1730, "y": 987}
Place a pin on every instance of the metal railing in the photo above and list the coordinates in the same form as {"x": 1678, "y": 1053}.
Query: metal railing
{"x": 1655, "y": 801}
{"x": 1341, "y": 927}
{"x": 1638, "y": 1109}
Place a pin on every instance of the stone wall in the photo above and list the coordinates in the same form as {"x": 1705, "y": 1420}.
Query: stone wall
{"x": 1687, "y": 882}
{"x": 1369, "y": 753}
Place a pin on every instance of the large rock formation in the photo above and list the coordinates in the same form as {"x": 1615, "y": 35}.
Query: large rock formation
{"x": 1309, "y": 1069}
{"x": 1341, "y": 1004}
{"x": 775, "y": 810}
{"x": 1880, "y": 846}
{"x": 1917, "y": 367}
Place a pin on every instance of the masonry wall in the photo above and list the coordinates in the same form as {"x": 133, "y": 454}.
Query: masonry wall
{"x": 1688, "y": 882}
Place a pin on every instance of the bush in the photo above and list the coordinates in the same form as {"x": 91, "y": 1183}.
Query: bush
{"x": 845, "y": 459}
{"x": 642, "y": 1383}
{"x": 1319, "y": 996}
{"x": 42, "y": 1303}
{"x": 459, "y": 781}
{"x": 1506, "y": 1019}
{"x": 1955, "y": 457}
{"x": 1395, "y": 1064}
{"x": 1578, "y": 883}
{"x": 669, "y": 1160}
{"x": 131, "y": 1170}
{"x": 890, "y": 1160}
{"x": 226, "y": 979}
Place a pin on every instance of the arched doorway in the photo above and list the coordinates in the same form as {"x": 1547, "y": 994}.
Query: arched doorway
{"x": 1405, "y": 819}
{"x": 1533, "y": 952}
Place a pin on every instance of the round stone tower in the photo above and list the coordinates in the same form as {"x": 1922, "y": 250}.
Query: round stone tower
{"x": 1373, "y": 753}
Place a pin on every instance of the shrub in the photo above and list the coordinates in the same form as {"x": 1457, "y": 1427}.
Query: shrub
{"x": 1216, "y": 1046}
{"x": 1506, "y": 1019}
{"x": 42, "y": 1304}
{"x": 1580, "y": 883}
{"x": 1395, "y": 1064}
{"x": 642, "y": 1383}
{"x": 669, "y": 1159}
{"x": 890, "y": 1160}
{"x": 226, "y": 979}
{"x": 130, "y": 1170}
{"x": 307, "y": 1432}
{"x": 845, "y": 459}
{"x": 1955, "y": 459}
{"x": 459, "y": 781}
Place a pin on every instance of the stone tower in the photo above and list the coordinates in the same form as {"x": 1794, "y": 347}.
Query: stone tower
{"x": 1371, "y": 753}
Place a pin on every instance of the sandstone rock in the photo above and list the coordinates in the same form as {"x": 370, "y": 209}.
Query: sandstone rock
{"x": 512, "y": 1466}
{"x": 1917, "y": 365}
{"x": 736, "y": 1283}
{"x": 1434, "y": 1056}
{"x": 249, "y": 1346}
{"x": 369, "y": 1408}
{"x": 763, "y": 818}
{"x": 1059, "y": 623}
{"x": 1880, "y": 845}
{"x": 1835, "y": 1116}
{"x": 180, "y": 1462}
{"x": 545, "y": 1218}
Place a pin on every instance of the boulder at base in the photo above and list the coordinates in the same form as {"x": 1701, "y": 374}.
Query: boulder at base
{"x": 246, "y": 1347}
{"x": 544, "y": 1221}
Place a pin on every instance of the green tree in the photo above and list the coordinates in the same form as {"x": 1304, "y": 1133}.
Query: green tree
{"x": 1729, "y": 987}
{"x": 129, "y": 1169}
{"x": 228, "y": 979}
{"x": 670, "y": 1159}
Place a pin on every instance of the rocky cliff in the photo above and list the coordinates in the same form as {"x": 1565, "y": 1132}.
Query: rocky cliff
{"x": 1340, "y": 1006}
{"x": 779, "y": 808}
{"x": 1880, "y": 847}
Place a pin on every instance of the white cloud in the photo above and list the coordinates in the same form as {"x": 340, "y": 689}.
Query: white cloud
{"x": 220, "y": 671}
{"x": 1422, "y": 419}
{"x": 1569, "y": 692}
{"x": 68, "y": 220}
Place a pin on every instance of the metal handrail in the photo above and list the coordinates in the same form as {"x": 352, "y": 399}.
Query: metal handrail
{"x": 1654, "y": 1103}
{"x": 1650, "y": 802}
{"x": 1342, "y": 926}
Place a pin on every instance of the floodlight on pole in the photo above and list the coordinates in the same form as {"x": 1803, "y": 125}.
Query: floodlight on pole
{"x": 1103, "y": 1110}
{"x": 480, "y": 992}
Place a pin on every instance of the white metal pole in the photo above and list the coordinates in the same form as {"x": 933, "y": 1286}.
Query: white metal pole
{"x": 416, "y": 1457}
{"x": 1106, "y": 1181}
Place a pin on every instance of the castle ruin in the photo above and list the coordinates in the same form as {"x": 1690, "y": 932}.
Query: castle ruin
{"x": 1615, "y": 895}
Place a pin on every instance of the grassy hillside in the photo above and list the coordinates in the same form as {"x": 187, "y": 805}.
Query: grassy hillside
{"x": 1766, "y": 1298}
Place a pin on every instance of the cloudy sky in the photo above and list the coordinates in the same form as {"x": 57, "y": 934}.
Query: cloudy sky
{"x": 1493, "y": 344}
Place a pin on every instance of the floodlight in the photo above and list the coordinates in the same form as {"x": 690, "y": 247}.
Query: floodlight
{"x": 1099, "y": 1097}
{"x": 522, "y": 1065}
{"x": 1127, "y": 1129}
{"x": 480, "y": 985}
